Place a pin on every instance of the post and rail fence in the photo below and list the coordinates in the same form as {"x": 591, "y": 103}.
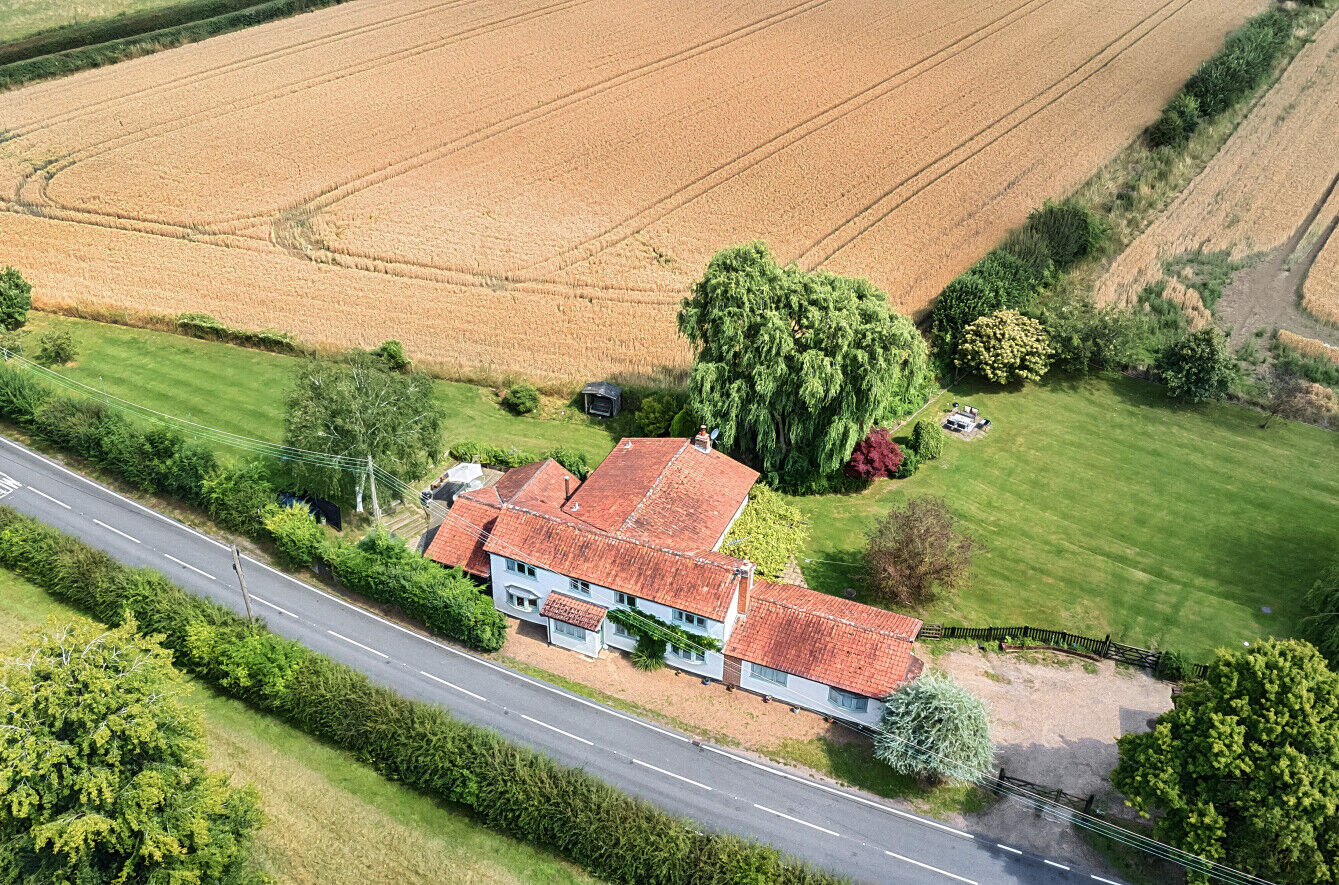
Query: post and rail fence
{"x": 1060, "y": 640}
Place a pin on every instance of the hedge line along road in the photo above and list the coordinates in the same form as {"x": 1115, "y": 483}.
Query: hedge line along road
{"x": 841, "y": 830}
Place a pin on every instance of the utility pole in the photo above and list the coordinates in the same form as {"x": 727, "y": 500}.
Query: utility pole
{"x": 372, "y": 478}
{"x": 241, "y": 579}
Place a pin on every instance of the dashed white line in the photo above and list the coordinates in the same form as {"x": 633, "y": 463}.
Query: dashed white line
{"x": 118, "y": 531}
{"x": 477, "y": 697}
{"x": 1058, "y": 866}
{"x": 559, "y": 730}
{"x": 282, "y": 611}
{"x": 926, "y": 866}
{"x": 191, "y": 567}
{"x": 1100, "y": 879}
{"x": 48, "y": 497}
{"x": 670, "y": 774}
{"x": 1007, "y": 848}
{"x": 359, "y": 644}
{"x": 796, "y": 820}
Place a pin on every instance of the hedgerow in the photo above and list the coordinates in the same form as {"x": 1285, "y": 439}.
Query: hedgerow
{"x": 505, "y": 786}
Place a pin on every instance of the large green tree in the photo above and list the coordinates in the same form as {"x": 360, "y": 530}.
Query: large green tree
{"x": 355, "y": 408}
{"x": 102, "y": 776}
{"x": 1199, "y": 367}
{"x": 16, "y": 298}
{"x": 794, "y": 367}
{"x": 1244, "y": 770}
{"x": 934, "y": 728}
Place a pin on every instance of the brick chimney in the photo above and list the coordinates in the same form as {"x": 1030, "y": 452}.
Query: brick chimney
{"x": 702, "y": 442}
{"x": 567, "y": 487}
{"x": 745, "y": 572}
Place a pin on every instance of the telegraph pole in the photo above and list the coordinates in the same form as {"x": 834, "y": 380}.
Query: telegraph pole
{"x": 372, "y": 478}
{"x": 241, "y": 579}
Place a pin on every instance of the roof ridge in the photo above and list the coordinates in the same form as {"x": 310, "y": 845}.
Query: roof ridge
{"x": 831, "y": 617}
{"x": 632, "y": 514}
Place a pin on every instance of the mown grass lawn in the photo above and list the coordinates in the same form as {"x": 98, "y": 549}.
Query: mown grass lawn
{"x": 1105, "y": 506}
{"x": 242, "y": 390}
{"x": 329, "y": 819}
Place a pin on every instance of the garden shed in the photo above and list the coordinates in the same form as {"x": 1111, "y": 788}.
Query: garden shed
{"x": 602, "y": 399}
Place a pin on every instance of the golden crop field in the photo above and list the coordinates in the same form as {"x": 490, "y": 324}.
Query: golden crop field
{"x": 535, "y": 184}
{"x": 1320, "y": 291}
{"x": 1271, "y": 186}
{"x": 1310, "y": 346}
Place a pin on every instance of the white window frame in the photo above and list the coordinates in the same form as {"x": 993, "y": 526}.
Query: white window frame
{"x": 848, "y": 700}
{"x": 620, "y": 630}
{"x": 518, "y": 598}
{"x": 690, "y": 619}
{"x": 571, "y": 631}
{"x": 625, "y": 599}
{"x": 520, "y": 568}
{"x": 768, "y": 674}
{"x": 576, "y": 586}
{"x": 687, "y": 654}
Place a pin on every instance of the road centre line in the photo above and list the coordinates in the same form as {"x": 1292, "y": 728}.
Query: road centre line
{"x": 477, "y": 697}
{"x": 1007, "y": 848}
{"x": 796, "y": 820}
{"x": 926, "y": 866}
{"x": 189, "y": 566}
{"x": 118, "y": 531}
{"x": 1100, "y": 879}
{"x": 48, "y": 497}
{"x": 282, "y": 611}
{"x": 1058, "y": 866}
{"x": 670, "y": 774}
{"x": 558, "y": 730}
{"x": 359, "y": 644}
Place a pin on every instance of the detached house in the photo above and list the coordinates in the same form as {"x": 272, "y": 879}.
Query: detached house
{"x": 643, "y": 532}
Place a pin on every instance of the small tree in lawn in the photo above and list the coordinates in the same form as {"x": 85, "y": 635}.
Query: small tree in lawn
{"x": 933, "y": 728}
{"x": 915, "y": 552}
{"x": 874, "y": 456}
{"x": 1322, "y": 620}
{"x": 1297, "y": 399}
{"x": 1199, "y": 367}
{"x": 927, "y": 439}
{"x": 1004, "y": 347}
{"x": 15, "y": 299}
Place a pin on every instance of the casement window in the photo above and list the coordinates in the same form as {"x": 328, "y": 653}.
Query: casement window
{"x": 524, "y": 601}
{"x": 625, "y": 599}
{"x": 620, "y": 630}
{"x": 856, "y": 703}
{"x": 582, "y": 587}
{"x": 520, "y": 568}
{"x": 577, "y": 633}
{"x": 767, "y": 674}
{"x": 690, "y": 619}
{"x": 687, "y": 654}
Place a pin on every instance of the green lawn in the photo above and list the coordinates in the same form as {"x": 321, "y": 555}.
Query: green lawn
{"x": 242, "y": 390}
{"x": 1104, "y": 506}
{"x": 329, "y": 819}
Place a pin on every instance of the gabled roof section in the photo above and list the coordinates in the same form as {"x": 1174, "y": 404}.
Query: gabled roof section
{"x": 665, "y": 492}
{"x": 704, "y": 585}
{"x": 571, "y": 610}
{"x": 542, "y": 482}
{"x": 832, "y": 641}
{"x": 459, "y": 539}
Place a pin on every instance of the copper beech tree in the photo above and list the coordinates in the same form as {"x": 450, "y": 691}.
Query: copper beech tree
{"x": 914, "y": 552}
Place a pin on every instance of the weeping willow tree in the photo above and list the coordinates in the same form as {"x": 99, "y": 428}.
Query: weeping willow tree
{"x": 794, "y": 367}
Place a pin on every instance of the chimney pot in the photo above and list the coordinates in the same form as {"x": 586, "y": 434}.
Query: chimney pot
{"x": 567, "y": 487}
{"x": 702, "y": 442}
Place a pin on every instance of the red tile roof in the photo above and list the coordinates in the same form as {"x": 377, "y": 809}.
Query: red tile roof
{"x": 832, "y": 641}
{"x": 570, "y": 610}
{"x": 542, "y": 482}
{"x": 459, "y": 539}
{"x": 664, "y": 491}
{"x": 702, "y": 584}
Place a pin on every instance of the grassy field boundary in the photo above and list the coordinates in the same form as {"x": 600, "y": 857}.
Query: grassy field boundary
{"x": 166, "y": 34}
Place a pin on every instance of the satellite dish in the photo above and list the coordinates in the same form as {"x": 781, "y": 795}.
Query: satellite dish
{"x": 715, "y": 433}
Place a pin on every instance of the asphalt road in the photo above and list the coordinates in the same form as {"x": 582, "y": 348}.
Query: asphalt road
{"x": 842, "y": 830}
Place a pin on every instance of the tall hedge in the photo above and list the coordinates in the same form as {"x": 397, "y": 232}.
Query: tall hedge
{"x": 508, "y": 787}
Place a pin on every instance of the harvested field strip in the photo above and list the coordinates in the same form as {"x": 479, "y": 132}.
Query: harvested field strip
{"x": 1320, "y": 290}
{"x": 1309, "y": 346}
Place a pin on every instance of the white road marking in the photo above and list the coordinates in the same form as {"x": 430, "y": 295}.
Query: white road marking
{"x": 48, "y": 497}
{"x": 282, "y": 611}
{"x": 1007, "y": 848}
{"x": 8, "y": 484}
{"x": 670, "y": 774}
{"x": 118, "y": 531}
{"x": 1100, "y": 879}
{"x": 191, "y": 567}
{"x": 796, "y": 820}
{"x": 1058, "y": 866}
{"x": 477, "y": 697}
{"x": 359, "y": 644}
{"x": 926, "y": 866}
{"x": 559, "y": 730}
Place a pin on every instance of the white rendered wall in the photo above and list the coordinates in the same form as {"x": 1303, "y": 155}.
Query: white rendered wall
{"x": 801, "y": 692}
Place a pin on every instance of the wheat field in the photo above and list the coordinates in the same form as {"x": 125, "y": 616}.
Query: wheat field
{"x": 534, "y": 185}
{"x": 1320, "y": 291}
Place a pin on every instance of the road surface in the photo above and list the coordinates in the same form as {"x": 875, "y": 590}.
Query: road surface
{"x": 841, "y": 830}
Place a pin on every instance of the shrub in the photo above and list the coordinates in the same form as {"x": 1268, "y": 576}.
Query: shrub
{"x": 914, "y": 552}
{"x": 505, "y": 457}
{"x": 963, "y": 301}
{"x": 21, "y": 395}
{"x": 573, "y": 461}
{"x": 392, "y": 354}
{"x": 465, "y": 450}
{"x": 685, "y": 423}
{"x": 1086, "y": 338}
{"x": 1322, "y": 621}
{"x": 1070, "y": 230}
{"x": 874, "y": 456}
{"x": 656, "y": 413}
{"x": 1173, "y": 666}
{"x": 910, "y": 463}
{"x": 1242, "y": 64}
{"x": 15, "y": 298}
{"x": 522, "y": 399}
{"x": 1029, "y": 247}
{"x": 768, "y": 533}
{"x": 935, "y": 729}
{"x": 1005, "y": 346}
{"x": 300, "y": 539}
{"x": 238, "y": 497}
{"x": 1199, "y": 367}
{"x": 927, "y": 439}
{"x": 649, "y": 655}
{"x": 55, "y": 347}
{"x": 1177, "y": 122}
{"x": 1011, "y": 276}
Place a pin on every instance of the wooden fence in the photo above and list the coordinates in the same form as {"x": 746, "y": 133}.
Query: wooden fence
{"x": 1058, "y": 639}
{"x": 1086, "y": 804}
